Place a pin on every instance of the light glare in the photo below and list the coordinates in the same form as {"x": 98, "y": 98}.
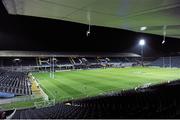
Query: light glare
{"x": 142, "y": 42}
{"x": 143, "y": 28}
{"x": 163, "y": 41}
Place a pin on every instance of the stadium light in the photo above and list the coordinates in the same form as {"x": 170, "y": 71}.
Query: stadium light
{"x": 143, "y": 28}
{"x": 16, "y": 59}
{"x": 163, "y": 42}
{"x": 142, "y": 43}
{"x": 88, "y": 33}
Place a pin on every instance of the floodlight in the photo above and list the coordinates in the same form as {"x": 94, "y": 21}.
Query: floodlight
{"x": 143, "y": 28}
{"x": 163, "y": 41}
{"x": 16, "y": 59}
{"x": 142, "y": 42}
{"x": 88, "y": 33}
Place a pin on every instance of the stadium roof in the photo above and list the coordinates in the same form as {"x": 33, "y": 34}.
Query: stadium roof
{"x": 124, "y": 14}
{"x": 62, "y": 54}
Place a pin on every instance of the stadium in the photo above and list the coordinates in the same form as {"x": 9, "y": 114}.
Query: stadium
{"x": 89, "y": 59}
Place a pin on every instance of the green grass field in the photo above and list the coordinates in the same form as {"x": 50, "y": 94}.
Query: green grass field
{"x": 82, "y": 83}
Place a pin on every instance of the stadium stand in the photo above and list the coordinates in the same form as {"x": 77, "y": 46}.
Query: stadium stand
{"x": 123, "y": 62}
{"x": 44, "y": 62}
{"x": 156, "y": 101}
{"x": 114, "y": 60}
{"x": 167, "y": 62}
{"x": 76, "y": 61}
{"x": 64, "y": 63}
{"x": 14, "y": 82}
{"x": 92, "y": 60}
{"x": 28, "y": 61}
{"x": 35, "y": 64}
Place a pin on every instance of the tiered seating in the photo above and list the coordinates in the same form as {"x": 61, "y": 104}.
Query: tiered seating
{"x": 28, "y": 62}
{"x": 123, "y": 62}
{"x": 31, "y": 63}
{"x": 92, "y": 60}
{"x": 22, "y": 62}
{"x": 63, "y": 61}
{"x": 161, "y": 62}
{"x": 167, "y": 62}
{"x": 159, "y": 101}
{"x": 77, "y": 61}
{"x": 6, "y": 62}
{"x": 175, "y": 61}
{"x": 93, "y": 63}
{"x": 14, "y": 82}
{"x": 114, "y": 60}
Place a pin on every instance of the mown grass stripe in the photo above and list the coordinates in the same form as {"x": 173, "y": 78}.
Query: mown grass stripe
{"x": 80, "y": 83}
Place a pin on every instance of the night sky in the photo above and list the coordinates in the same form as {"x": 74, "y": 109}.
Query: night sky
{"x": 40, "y": 34}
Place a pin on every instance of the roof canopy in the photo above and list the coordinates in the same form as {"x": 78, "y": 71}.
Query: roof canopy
{"x": 124, "y": 14}
{"x": 62, "y": 54}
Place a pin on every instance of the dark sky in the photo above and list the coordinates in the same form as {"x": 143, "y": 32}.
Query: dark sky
{"x": 32, "y": 33}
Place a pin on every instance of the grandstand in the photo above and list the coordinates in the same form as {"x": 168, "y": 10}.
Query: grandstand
{"x": 89, "y": 59}
{"x": 16, "y": 83}
{"x": 172, "y": 61}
